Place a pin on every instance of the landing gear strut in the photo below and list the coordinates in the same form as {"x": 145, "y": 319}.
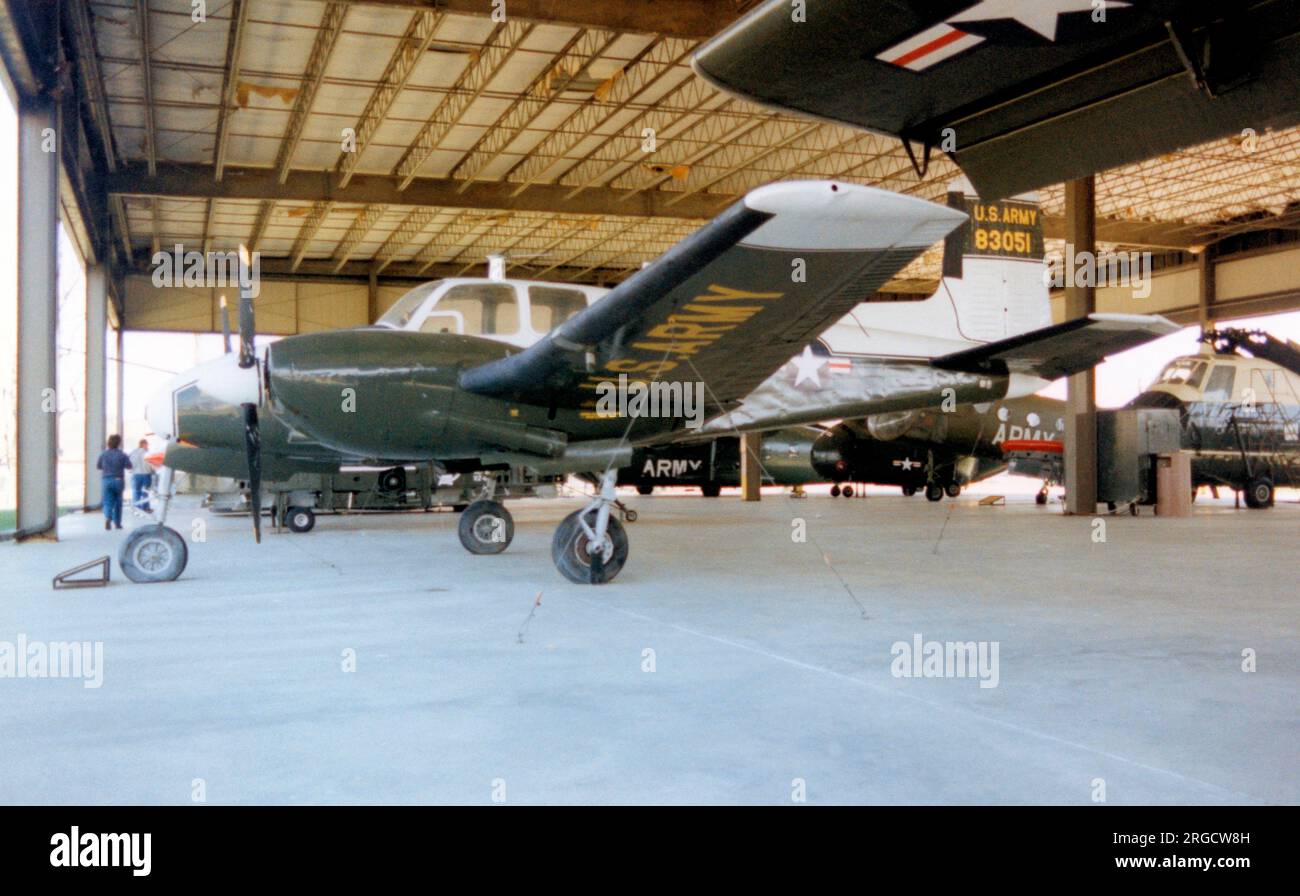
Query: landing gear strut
{"x": 590, "y": 545}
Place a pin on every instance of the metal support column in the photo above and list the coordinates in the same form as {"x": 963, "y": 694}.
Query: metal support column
{"x": 38, "y": 317}
{"x": 372, "y": 297}
{"x": 751, "y": 471}
{"x": 1208, "y": 288}
{"x": 96, "y": 376}
{"x": 121, "y": 385}
{"x": 1081, "y": 389}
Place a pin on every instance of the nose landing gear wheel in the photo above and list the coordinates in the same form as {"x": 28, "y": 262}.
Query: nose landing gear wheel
{"x": 835, "y": 491}
{"x": 1041, "y": 497}
{"x": 153, "y": 553}
{"x": 645, "y": 489}
{"x": 952, "y": 489}
{"x": 575, "y": 556}
{"x": 486, "y": 527}
{"x": 934, "y": 492}
{"x": 300, "y": 519}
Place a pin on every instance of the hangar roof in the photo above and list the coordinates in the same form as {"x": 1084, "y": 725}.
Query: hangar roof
{"x": 413, "y": 138}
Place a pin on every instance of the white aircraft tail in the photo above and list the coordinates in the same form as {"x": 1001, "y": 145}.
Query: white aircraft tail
{"x": 993, "y": 287}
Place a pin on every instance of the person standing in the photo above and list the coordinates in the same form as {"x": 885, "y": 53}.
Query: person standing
{"x": 141, "y": 477}
{"x": 113, "y": 464}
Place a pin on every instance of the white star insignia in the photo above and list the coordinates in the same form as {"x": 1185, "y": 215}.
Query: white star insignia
{"x": 807, "y": 367}
{"x": 1038, "y": 15}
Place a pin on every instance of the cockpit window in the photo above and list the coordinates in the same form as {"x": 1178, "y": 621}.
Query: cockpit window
{"x": 400, "y": 314}
{"x": 1184, "y": 373}
{"x": 1221, "y": 381}
{"x": 552, "y": 306}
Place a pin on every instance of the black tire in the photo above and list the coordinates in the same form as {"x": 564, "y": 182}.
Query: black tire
{"x": 393, "y": 480}
{"x": 835, "y": 490}
{"x": 1259, "y": 493}
{"x": 909, "y": 491}
{"x": 934, "y": 492}
{"x": 458, "y": 508}
{"x": 486, "y": 527}
{"x": 952, "y": 489}
{"x": 1040, "y": 498}
{"x": 710, "y": 489}
{"x": 645, "y": 489}
{"x": 848, "y": 491}
{"x": 570, "y": 550}
{"x": 153, "y": 553}
{"x": 300, "y": 519}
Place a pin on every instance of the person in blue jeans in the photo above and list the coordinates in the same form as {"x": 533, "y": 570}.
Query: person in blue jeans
{"x": 141, "y": 477}
{"x": 113, "y": 464}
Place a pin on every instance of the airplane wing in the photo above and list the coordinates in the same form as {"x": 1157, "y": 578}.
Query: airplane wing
{"x": 1023, "y": 93}
{"x": 1061, "y": 349}
{"x": 731, "y": 303}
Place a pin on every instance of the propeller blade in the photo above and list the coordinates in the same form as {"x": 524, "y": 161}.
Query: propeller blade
{"x": 247, "y": 329}
{"x": 225, "y": 326}
{"x": 253, "y": 453}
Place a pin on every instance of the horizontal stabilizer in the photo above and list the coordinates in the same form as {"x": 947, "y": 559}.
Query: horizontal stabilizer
{"x": 1062, "y": 349}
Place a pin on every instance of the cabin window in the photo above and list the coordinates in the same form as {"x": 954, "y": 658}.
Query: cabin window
{"x": 1219, "y": 388}
{"x": 552, "y": 306}
{"x": 487, "y": 309}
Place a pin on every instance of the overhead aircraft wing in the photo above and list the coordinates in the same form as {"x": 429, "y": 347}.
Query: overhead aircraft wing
{"x": 1023, "y": 93}
{"x": 732, "y": 302}
{"x": 1062, "y": 349}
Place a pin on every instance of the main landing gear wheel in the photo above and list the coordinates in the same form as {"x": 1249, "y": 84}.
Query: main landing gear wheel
{"x": 710, "y": 489}
{"x": 835, "y": 491}
{"x": 909, "y": 491}
{"x": 576, "y": 557}
{"x": 934, "y": 492}
{"x": 486, "y": 527}
{"x": 153, "y": 553}
{"x": 848, "y": 491}
{"x": 1259, "y": 493}
{"x": 952, "y": 489}
{"x": 300, "y": 519}
{"x": 1041, "y": 497}
{"x": 645, "y": 489}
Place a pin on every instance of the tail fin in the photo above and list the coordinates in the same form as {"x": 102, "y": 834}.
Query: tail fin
{"x": 993, "y": 287}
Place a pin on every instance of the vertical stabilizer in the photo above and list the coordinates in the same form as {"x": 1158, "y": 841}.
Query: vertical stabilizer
{"x": 994, "y": 286}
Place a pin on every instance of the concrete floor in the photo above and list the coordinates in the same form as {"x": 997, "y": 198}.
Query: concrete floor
{"x": 1118, "y": 661}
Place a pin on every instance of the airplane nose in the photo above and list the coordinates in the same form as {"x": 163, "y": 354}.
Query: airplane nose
{"x": 158, "y": 413}
{"x": 217, "y": 384}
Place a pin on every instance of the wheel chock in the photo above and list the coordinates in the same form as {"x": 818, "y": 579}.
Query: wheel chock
{"x": 993, "y": 501}
{"x": 65, "y": 579}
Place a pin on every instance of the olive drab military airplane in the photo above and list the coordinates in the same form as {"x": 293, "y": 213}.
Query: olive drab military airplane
{"x": 483, "y": 374}
{"x": 1022, "y": 93}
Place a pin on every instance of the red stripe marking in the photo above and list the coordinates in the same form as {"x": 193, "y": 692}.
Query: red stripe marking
{"x": 937, "y": 44}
